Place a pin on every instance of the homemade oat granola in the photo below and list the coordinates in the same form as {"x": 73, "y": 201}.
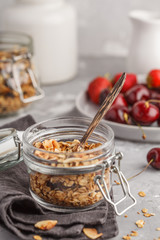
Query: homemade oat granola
{"x": 9, "y": 97}
{"x": 78, "y": 190}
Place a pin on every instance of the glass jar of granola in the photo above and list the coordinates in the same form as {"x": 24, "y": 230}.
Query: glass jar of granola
{"x": 18, "y": 82}
{"x": 62, "y": 179}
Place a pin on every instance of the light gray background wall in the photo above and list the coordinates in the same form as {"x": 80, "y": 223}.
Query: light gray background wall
{"x": 103, "y": 25}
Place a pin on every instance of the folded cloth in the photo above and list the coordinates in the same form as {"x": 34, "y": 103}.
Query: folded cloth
{"x": 19, "y": 212}
{"x": 21, "y": 124}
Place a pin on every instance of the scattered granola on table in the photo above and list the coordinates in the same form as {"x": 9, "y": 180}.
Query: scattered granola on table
{"x": 140, "y": 223}
{"x": 144, "y": 210}
{"x": 127, "y": 237}
{"x": 77, "y": 190}
{"x": 134, "y": 233}
{"x": 141, "y": 194}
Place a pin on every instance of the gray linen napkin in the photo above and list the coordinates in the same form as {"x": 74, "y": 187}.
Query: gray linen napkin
{"x": 19, "y": 212}
{"x": 21, "y": 124}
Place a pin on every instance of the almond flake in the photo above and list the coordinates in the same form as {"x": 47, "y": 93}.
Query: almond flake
{"x": 140, "y": 223}
{"x": 92, "y": 233}
{"x": 37, "y": 237}
{"x": 134, "y": 233}
{"x": 46, "y": 224}
{"x": 141, "y": 194}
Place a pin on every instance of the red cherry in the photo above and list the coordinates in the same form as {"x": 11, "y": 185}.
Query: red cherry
{"x": 154, "y": 154}
{"x": 145, "y": 113}
{"x": 96, "y": 86}
{"x": 137, "y": 93}
{"x": 119, "y": 101}
{"x": 153, "y": 79}
{"x": 156, "y": 96}
{"x": 131, "y": 80}
{"x": 119, "y": 114}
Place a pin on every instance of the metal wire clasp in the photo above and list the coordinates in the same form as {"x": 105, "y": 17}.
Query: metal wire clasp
{"x": 10, "y": 146}
{"x": 100, "y": 181}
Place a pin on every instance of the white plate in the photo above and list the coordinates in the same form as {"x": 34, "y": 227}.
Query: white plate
{"x": 123, "y": 131}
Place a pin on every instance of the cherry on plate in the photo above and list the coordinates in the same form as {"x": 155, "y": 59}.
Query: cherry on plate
{"x": 145, "y": 113}
{"x": 96, "y": 86}
{"x": 119, "y": 101}
{"x": 137, "y": 93}
{"x": 131, "y": 80}
{"x": 154, "y": 95}
{"x": 119, "y": 114}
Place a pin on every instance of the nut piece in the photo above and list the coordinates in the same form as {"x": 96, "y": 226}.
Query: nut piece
{"x": 152, "y": 214}
{"x": 140, "y": 223}
{"x": 92, "y": 233}
{"x": 37, "y": 237}
{"x": 127, "y": 237}
{"x": 134, "y": 233}
{"x": 46, "y": 224}
{"x": 141, "y": 194}
{"x": 147, "y": 214}
{"x": 144, "y": 210}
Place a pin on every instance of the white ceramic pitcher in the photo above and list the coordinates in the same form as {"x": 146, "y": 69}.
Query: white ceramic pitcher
{"x": 144, "y": 51}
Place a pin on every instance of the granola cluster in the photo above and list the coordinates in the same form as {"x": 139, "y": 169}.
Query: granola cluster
{"x": 10, "y": 100}
{"x": 77, "y": 190}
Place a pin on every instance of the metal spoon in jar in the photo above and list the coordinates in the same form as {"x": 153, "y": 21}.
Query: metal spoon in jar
{"x": 102, "y": 110}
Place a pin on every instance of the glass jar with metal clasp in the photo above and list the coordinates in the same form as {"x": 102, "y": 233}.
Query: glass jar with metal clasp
{"x": 62, "y": 179}
{"x": 19, "y": 85}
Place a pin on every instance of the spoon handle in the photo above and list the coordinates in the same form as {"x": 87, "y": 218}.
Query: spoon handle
{"x": 104, "y": 107}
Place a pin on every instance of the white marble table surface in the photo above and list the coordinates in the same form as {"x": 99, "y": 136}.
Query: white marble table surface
{"x": 60, "y": 100}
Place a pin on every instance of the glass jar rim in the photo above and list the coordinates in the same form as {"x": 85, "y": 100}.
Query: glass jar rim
{"x": 102, "y": 123}
{"x": 15, "y": 37}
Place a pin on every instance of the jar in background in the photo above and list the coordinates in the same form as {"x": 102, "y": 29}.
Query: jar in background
{"x": 18, "y": 84}
{"x": 64, "y": 180}
{"x": 53, "y": 27}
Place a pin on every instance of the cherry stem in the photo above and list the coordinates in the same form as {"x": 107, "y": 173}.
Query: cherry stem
{"x": 140, "y": 127}
{"x": 107, "y": 75}
{"x": 142, "y": 170}
{"x": 125, "y": 115}
{"x": 143, "y": 133}
{"x": 151, "y": 100}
